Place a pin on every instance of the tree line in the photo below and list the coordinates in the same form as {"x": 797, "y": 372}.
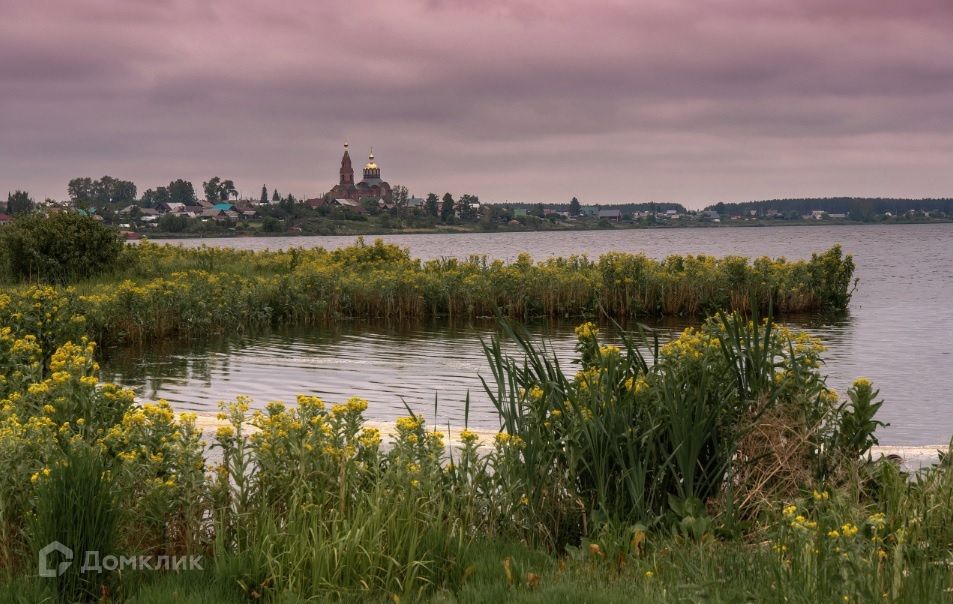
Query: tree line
{"x": 855, "y": 207}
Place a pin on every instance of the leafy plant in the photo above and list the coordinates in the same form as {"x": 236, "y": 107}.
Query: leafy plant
{"x": 59, "y": 248}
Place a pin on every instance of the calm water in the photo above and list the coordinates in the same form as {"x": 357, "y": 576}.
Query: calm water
{"x": 898, "y": 331}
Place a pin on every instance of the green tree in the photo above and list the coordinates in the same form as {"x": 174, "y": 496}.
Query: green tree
{"x": 287, "y": 205}
{"x": 85, "y": 191}
{"x": 227, "y": 190}
{"x": 575, "y": 208}
{"x": 211, "y": 188}
{"x": 124, "y": 192}
{"x": 60, "y": 248}
{"x": 19, "y": 203}
{"x": 102, "y": 190}
{"x": 465, "y": 206}
{"x": 399, "y": 196}
{"x": 272, "y": 225}
{"x": 432, "y": 205}
{"x": 152, "y": 198}
{"x": 371, "y": 205}
{"x": 109, "y": 190}
{"x": 217, "y": 190}
{"x": 80, "y": 191}
{"x": 264, "y": 195}
{"x": 181, "y": 191}
{"x": 446, "y": 208}
{"x": 172, "y": 223}
{"x": 488, "y": 217}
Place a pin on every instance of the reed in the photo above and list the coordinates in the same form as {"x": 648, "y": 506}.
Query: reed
{"x": 647, "y": 433}
{"x": 75, "y": 506}
{"x": 164, "y": 291}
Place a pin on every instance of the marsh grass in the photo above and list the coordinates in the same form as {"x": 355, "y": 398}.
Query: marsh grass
{"x": 653, "y": 434}
{"x": 76, "y": 506}
{"x": 164, "y": 291}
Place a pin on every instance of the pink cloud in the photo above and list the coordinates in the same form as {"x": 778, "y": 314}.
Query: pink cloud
{"x": 533, "y": 100}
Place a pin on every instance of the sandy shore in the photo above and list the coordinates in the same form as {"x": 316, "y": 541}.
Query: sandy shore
{"x": 911, "y": 457}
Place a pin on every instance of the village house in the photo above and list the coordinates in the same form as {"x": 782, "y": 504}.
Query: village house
{"x": 170, "y": 207}
{"x": 589, "y": 211}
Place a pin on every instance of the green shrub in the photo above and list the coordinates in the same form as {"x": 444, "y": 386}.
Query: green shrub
{"x": 60, "y": 248}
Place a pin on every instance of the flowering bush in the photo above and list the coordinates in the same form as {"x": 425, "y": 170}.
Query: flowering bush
{"x": 632, "y": 438}
{"x": 159, "y": 464}
{"x": 307, "y": 492}
{"x": 155, "y": 461}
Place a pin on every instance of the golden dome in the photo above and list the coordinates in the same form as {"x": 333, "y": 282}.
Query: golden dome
{"x": 370, "y": 161}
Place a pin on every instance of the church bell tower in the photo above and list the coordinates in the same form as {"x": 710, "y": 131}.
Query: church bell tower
{"x": 347, "y": 172}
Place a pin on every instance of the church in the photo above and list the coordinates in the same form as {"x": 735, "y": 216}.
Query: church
{"x": 370, "y": 187}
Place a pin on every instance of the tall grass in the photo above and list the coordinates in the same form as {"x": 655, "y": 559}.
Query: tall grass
{"x": 310, "y": 504}
{"x": 636, "y": 439}
{"x": 76, "y": 507}
{"x": 166, "y": 290}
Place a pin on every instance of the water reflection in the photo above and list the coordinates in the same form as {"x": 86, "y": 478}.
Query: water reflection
{"x": 390, "y": 367}
{"x": 898, "y": 332}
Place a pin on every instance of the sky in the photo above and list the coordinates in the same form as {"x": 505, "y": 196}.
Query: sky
{"x": 512, "y": 100}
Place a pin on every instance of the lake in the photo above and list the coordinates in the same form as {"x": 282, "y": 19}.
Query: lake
{"x": 898, "y": 330}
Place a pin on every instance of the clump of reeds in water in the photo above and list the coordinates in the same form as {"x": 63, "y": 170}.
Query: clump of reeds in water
{"x": 167, "y": 290}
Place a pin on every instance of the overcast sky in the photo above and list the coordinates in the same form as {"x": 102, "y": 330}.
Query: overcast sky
{"x": 522, "y": 100}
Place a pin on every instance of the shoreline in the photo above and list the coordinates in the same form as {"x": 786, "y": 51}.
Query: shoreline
{"x": 474, "y": 231}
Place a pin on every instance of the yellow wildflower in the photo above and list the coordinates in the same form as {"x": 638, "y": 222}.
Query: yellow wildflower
{"x": 587, "y": 330}
{"x": 356, "y": 404}
{"x": 370, "y": 437}
{"x": 468, "y": 437}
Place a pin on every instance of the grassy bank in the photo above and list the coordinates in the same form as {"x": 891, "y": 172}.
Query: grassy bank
{"x": 160, "y": 291}
{"x": 718, "y": 466}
